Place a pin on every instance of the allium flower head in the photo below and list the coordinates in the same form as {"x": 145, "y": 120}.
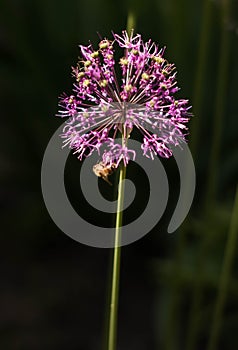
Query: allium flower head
{"x": 105, "y": 104}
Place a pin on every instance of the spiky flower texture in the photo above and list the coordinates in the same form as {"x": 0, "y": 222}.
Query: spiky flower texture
{"x": 106, "y": 104}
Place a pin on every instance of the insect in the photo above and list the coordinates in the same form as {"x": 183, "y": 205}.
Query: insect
{"x": 104, "y": 170}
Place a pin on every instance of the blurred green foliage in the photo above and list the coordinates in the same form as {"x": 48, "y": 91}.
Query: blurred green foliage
{"x": 169, "y": 284}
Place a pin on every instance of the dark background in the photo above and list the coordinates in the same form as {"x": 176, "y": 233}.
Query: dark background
{"x": 54, "y": 291}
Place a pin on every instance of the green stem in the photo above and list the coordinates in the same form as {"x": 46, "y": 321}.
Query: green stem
{"x": 130, "y": 21}
{"x": 116, "y": 264}
{"x": 219, "y": 105}
{"x": 225, "y": 276}
{"x": 194, "y": 321}
{"x": 204, "y": 41}
{"x": 176, "y": 294}
{"x": 113, "y": 314}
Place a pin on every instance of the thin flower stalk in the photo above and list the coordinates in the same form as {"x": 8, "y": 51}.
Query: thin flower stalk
{"x": 105, "y": 105}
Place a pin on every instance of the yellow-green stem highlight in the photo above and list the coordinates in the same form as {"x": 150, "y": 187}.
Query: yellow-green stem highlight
{"x": 194, "y": 321}
{"x": 219, "y": 104}
{"x": 130, "y": 22}
{"x": 204, "y": 41}
{"x": 116, "y": 264}
{"x": 113, "y": 314}
{"x": 225, "y": 276}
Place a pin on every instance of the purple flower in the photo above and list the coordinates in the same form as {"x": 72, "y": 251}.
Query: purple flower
{"x": 105, "y": 105}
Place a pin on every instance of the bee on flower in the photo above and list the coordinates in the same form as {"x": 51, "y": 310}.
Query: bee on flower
{"x": 104, "y": 170}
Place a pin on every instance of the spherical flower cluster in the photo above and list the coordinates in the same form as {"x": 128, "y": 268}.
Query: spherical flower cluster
{"x": 105, "y": 104}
